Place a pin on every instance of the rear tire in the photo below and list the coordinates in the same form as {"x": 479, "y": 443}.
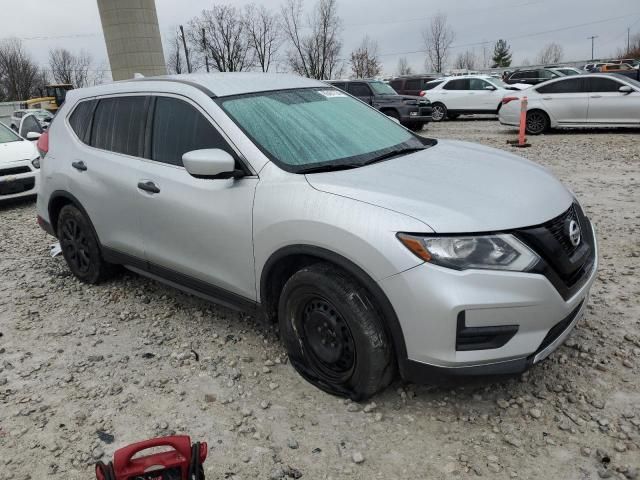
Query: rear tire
{"x": 334, "y": 333}
{"x": 537, "y": 122}
{"x": 80, "y": 246}
{"x": 438, "y": 112}
{"x": 415, "y": 127}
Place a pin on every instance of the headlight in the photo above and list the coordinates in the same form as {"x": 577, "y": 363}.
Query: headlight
{"x": 36, "y": 162}
{"x": 492, "y": 252}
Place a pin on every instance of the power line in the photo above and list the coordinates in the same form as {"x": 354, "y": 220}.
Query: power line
{"x": 527, "y": 35}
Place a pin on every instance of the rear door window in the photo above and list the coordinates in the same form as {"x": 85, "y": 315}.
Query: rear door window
{"x": 570, "y": 85}
{"x": 119, "y": 125}
{"x": 458, "y": 84}
{"x": 178, "y": 128}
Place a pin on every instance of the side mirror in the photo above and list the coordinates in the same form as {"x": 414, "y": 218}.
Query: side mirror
{"x": 490, "y": 88}
{"x": 626, "y": 89}
{"x": 33, "y": 135}
{"x": 211, "y": 163}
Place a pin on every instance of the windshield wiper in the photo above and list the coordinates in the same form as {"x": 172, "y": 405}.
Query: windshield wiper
{"x": 393, "y": 153}
{"x": 330, "y": 168}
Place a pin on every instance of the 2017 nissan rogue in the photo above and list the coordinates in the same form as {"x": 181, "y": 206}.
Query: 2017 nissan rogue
{"x": 377, "y": 250}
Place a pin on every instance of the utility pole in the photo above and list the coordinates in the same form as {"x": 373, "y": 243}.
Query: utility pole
{"x": 628, "y": 40}
{"x": 592, "y": 38}
{"x": 204, "y": 49}
{"x": 186, "y": 51}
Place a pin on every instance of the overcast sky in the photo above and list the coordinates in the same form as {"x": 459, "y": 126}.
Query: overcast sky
{"x": 396, "y": 25}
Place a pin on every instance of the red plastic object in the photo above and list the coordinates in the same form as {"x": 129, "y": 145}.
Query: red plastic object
{"x": 126, "y": 467}
{"x": 43, "y": 144}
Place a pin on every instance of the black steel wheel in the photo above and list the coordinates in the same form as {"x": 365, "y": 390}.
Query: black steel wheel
{"x": 438, "y": 112}
{"x": 334, "y": 333}
{"x": 327, "y": 338}
{"x": 537, "y": 122}
{"x": 80, "y": 246}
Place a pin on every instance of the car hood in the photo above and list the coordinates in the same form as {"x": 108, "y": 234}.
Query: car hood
{"x": 17, "y": 151}
{"x": 399, "y": 98}
{"x": 455, "y": 187}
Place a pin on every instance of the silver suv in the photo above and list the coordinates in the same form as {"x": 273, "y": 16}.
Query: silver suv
{"x": 378, "y": 251}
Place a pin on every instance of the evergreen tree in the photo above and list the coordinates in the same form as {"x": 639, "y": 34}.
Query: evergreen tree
{"x": 501, "y": 54}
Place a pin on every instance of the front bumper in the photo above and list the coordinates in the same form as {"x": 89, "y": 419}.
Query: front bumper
{"x": 420, "y": 114}
{"x": 18, "y": 179}
{"x": 510, "y": 115}
{"x": 428, "y": 301}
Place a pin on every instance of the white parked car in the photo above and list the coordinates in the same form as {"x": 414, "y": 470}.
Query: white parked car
{"x": 19, "y": 165}
{"x": 43, "y": 117}
{"x": 454, "y": 96}
{"x": 591, "y": 100}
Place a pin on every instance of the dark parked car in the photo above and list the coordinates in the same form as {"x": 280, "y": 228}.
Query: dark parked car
{"x": 411, "y": 111}
{"x": 411, "y": 85}
{"x": 533, "y": 76}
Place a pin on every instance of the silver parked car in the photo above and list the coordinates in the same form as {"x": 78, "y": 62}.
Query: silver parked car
{"x": 376, "y": 250}
{"x": 592, "y": 100}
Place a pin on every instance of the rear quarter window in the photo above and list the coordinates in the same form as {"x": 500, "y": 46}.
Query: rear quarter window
{"x": 80, "y": 119}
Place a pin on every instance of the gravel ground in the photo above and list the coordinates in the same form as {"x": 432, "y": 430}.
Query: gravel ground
{"x": 87, "y": 369}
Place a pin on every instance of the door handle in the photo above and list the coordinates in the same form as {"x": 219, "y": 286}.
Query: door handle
{"x": 80, "y": 166}
{"x": 547, "y": 98}
{"x": 596, "y": 96}
{"x": 148, "y": 186}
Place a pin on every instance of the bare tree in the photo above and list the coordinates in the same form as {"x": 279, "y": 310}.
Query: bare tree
{"x": 317, "y": 53}
{"x": 550, "y": 53}
{"x": 466, "y": 60}
{"x": 175, "y": 59}
{"x": 403, "y": 67}
{"x": 67, "y": 67}
{"x": 225, "y": 38}
{"x": 438, "y": 38}
{"x": 264, "y": 35}
{"x": 20, "y": 77}
{"x": 364, "y": 60}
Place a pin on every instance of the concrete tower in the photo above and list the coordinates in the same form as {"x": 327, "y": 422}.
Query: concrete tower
{"x": 132, "y": 36}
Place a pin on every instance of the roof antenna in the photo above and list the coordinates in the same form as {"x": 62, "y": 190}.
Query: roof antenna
{"x": 138, "y": 75}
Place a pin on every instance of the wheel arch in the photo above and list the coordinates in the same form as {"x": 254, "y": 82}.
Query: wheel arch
{"x": 387, "y": 110}
{"x": 284, "y": 262}
{"x": 58, "y": 200}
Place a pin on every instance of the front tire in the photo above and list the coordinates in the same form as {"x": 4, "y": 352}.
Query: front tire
{"x": 537, "y": 122}
{"x": 80, "y": 246}
{"x": 334, "y": 333}
{"x": 438, "y": 112}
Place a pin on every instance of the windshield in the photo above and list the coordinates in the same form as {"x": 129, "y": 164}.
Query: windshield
{"x": 497, "y": 82}
{"x": 7, "y": 135}
{"x": 382, "y": 88}
{"x": 42, "y": 114}
{"x": 312, "y": 127}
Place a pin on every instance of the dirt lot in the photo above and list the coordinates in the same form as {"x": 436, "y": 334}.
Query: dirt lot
{"x": 87, "y": 369}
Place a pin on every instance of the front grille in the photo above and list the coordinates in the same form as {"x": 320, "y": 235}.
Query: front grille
{"x": 14, "y": 171}
{"x": 566, "y": 266}
{"x": 558, "y": 230}
{"x": 558, "y": 329}
{"x": 17, "y": 186}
